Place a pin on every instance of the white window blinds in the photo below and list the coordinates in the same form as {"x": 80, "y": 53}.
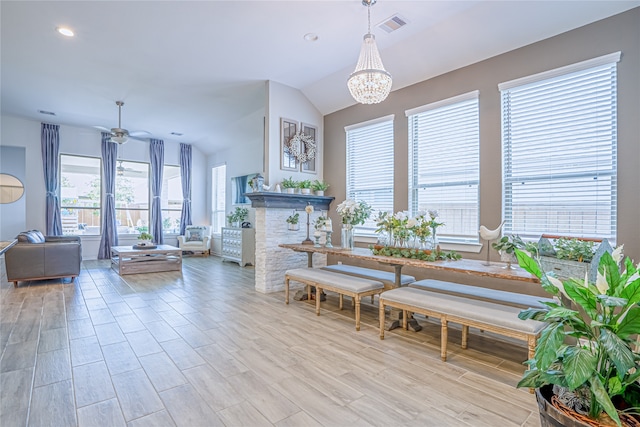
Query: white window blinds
{"x": 559, "y": 152}
{"x": 370, "y": 166}
{"x": 444, "y": 164}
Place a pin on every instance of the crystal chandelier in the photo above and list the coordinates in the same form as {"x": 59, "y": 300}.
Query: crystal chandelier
{"x": 370, "y": 83}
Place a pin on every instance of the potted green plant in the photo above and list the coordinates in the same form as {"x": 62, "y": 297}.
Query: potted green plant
{"x": 236, "y": 217}
{"x": 292, "y": 220}
{"x": 145, "y": 239}
{"x": 585, "y": 354}
{"x": 507, "y": 246}
{"x": 289, "y": 185}
{"x": 572, "y": 256}
{"x": 319, "y": 186}
{"x": 305, "y": 186}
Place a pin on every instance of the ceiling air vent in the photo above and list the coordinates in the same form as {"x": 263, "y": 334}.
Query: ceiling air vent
{"x": 393, "y": 23}
{"x": 48, "y": 113}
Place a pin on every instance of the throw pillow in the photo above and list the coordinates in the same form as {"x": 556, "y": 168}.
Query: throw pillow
{"x": 195, "y": 236}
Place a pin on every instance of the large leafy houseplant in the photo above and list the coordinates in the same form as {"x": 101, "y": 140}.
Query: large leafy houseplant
{"x": 587, "y": 346}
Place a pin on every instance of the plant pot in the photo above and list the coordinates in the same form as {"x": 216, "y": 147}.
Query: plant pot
{"x": 290, "y": 190}
{"x": 319, "y": 192}
{"x": 294, "y": 227}
{"x": 305, "y": 191}
{"x": 550, "y": 416}
{"x": 509, "y": 259}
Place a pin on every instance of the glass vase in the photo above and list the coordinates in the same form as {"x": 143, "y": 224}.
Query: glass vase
{"x": 347, "y": 237}
{"x": 433, "y": 240}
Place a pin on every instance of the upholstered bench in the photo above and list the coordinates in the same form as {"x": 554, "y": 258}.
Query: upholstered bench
{"x": 498, "y": 318}
{"x": 479, "y": 293}
{"x": 388, "y": 278}
{"x": 342, "y": 284}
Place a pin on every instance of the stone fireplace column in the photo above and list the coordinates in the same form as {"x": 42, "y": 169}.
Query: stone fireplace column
{"x": 272, "y": 261}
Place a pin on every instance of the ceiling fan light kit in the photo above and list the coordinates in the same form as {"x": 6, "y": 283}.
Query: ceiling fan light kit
{"x": 119, "y": 135}
{"x": 369, "y": 83}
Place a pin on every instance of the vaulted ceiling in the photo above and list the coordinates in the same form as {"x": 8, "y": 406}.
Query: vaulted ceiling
{"x": 194, "y": 67}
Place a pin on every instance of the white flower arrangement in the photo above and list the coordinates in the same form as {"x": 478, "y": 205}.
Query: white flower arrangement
{"x": 294, "y": 147}
{"x": 308, "y": 209}
{"x": 353, "y": 212}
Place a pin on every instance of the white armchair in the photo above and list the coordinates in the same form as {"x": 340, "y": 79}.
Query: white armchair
{"x": 197, "y": 238}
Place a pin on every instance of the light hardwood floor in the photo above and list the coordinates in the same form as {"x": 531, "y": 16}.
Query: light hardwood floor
{"x": 203, "y": 348}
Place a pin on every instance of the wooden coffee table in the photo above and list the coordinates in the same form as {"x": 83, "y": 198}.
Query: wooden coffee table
{"x": 129, "y": 260}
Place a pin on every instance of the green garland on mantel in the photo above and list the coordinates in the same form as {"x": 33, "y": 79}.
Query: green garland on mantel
{"x": 421, "y": 254}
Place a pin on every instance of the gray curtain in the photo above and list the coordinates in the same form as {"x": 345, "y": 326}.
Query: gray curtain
{"x": 109, "y": 229}
{"x": 156, "y": 154}
{"x": 185, "y": 175}
{"x": 50, "y": 145}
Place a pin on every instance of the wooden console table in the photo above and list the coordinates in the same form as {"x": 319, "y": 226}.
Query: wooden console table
{"x": 127, "y": 260}
{"x": 6, "y": 245}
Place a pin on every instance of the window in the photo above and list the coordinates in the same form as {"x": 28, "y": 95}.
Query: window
{"x": 559, "y": 151}
{"x": 370, "y": 167}
{"x": 444, "y": 164}
{"x": 171, "y": 199}
{"x": 218, "y": 194}
{"x": 132, "y": 197}
{"x": 80, "y": 194}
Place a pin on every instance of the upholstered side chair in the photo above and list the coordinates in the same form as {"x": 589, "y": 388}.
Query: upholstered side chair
{"x": 197, "y": 238}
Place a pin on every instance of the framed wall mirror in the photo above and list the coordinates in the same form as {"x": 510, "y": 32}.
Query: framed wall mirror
{"x": 11, "y": 188}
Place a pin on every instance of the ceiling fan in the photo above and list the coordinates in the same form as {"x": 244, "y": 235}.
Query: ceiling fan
{"x": 120, "y": 135}
{"x": 122, "y": 171}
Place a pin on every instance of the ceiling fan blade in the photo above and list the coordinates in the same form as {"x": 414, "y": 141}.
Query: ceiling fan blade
{"x": 137, "y": 138}
{"x": 102, "y": 128}
{"x": 140, "y": 134}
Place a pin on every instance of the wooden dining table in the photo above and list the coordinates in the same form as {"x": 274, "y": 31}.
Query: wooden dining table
{"x": 466, "y": 266}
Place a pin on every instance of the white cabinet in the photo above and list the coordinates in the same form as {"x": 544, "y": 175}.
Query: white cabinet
{"x": 239, "y": 245}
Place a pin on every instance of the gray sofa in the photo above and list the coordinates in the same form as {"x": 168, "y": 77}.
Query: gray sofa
{"x": 36, "y": 257}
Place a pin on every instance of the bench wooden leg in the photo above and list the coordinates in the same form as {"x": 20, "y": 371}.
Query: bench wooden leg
{"x": 465, "y": 335}
{"x": 404, "y": 319}
{"x": 309, "y": 292}
{"x": 286, "y": 290}
{"x": 15, "y": 283}
{"x": 341, "y": 299}
{"x": 381, "y": 317}
{"x": 357, "y": 298}
{"x": 531, "y": 344}
{"x": 443, "y": 338}
{"x": 372, "y": 298}
{"x": 318, "y": 293}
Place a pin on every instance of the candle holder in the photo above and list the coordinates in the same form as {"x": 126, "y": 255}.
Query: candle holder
{"x": 328, "y": 242}
{"x": 317, "y": 243}
{"x": 307, "y": 241}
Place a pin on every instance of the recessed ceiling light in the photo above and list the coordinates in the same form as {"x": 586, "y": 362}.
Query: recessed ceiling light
{"x": 48, "y": 113}
{"x": 65, "y": 31}
{"x": 311, "y": 37}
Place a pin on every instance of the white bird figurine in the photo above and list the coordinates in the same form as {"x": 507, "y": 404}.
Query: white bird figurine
{"x": 487, "y": 234}
{"x": 490, "y": 235}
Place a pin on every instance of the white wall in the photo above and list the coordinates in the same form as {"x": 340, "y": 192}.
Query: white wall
{"x": 12, "y": 215}
{"x": 245, "y": 155}
{"x": 287, "y": 102}
{"x": 83, "y": 141}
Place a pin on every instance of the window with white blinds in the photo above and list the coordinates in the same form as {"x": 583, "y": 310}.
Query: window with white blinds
{"x": 559, "y": 151}
{"x": 370, "y": 167}
{"x": 444, "y": 170}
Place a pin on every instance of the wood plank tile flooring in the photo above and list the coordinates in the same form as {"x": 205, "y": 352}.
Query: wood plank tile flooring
{"x": 203, "y": 348}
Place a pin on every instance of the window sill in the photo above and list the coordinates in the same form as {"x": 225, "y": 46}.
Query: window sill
{"x": 474, "y": 248}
